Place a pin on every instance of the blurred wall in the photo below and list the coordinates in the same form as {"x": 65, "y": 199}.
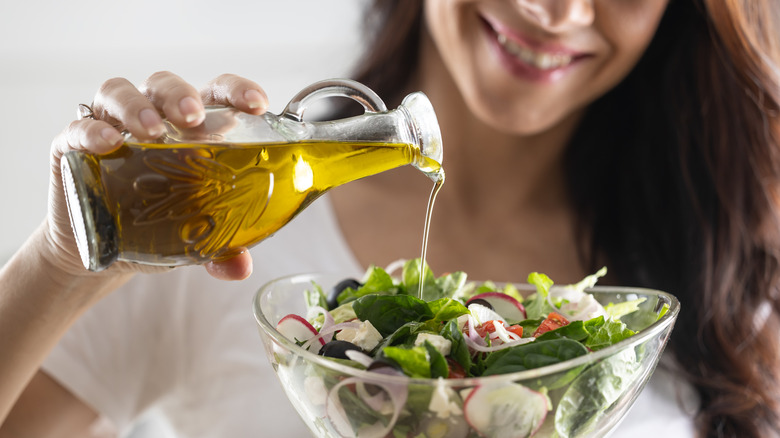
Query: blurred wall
{"x": 55, "y": 55}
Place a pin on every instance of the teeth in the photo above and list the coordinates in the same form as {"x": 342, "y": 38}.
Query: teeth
{"x": 543, "y": 61}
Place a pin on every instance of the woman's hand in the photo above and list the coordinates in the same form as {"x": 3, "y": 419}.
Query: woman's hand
{"x": 120, "y": 106}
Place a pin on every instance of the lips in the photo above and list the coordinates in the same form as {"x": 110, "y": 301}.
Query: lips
{"x": 540, "y": 60}
{"x": 530, "y": 59}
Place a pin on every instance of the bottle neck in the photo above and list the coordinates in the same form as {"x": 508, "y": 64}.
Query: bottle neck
{"x": 391, "y": 127}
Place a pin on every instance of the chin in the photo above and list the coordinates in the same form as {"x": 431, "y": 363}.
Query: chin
{"x": 520, "y": 122}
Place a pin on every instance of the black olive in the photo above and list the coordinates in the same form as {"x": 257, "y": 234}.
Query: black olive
{"x": 386, "y": 366}
{"x": 481, "y": 302}
{"x": 384, "y": 362}
{"x": 338, "y": 289}
{"x": 338, "y": 349}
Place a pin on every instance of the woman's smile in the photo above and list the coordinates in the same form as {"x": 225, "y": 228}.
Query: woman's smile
{"x": 528, "y": 58}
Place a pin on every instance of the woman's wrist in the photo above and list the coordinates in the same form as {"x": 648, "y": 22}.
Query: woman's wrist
{"x": 55, "y": 277}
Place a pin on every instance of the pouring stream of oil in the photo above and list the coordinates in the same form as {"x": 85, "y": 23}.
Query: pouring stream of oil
{"x": 436, "y": 188}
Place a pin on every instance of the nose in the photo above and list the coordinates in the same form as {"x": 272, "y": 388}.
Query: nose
{"x": 558, "y": 16}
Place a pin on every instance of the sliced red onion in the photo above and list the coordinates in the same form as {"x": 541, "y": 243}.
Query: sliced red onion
{"x": 397, "y": 393}
{"x": 585, "y": 309}
{"x": 377, "y": 402}
{"x": 504, "y": 335}
{"x": 472, "y": 334}
{"x": 327, "y": 322}
{"x": 394, "y": 266}
{"x": 359, "y": 357}
{"x": 481, "y": 348}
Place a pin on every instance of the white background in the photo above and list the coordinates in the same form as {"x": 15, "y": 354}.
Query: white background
{"x": 56, "y": 54}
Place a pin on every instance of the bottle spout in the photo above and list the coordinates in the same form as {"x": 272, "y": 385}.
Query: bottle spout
{"x": 427, "y": 133}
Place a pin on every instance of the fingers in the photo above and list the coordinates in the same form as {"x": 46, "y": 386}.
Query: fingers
{"x": 96, "y": 136}
{"x": 236, "y": 268}
{"x": 121, "y": 104}
{"x": 176, "y": 99}
{"x": 166, "y": 95}
{"x": 232, "y": 90}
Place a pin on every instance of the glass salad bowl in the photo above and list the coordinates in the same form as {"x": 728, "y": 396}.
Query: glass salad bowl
{"x": 586, "y": 396}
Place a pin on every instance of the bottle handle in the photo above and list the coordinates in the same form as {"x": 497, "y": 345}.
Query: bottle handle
{"x": 354, "y": 90}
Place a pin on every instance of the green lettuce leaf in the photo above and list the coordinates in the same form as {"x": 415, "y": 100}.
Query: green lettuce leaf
{"x": 537, "y": 306}
{"x": 611, "y": 332}
{"x": 616, "y": 311}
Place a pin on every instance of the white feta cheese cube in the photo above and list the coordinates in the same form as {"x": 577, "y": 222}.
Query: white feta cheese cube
{"x": 441, "y": 343}
{"x": 366, "y": 336}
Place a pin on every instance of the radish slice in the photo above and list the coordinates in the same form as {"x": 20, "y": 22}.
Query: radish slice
{"x": 296, "y": 328}
{"x": 505, "y": 410}
{"x": 506, "y": 306}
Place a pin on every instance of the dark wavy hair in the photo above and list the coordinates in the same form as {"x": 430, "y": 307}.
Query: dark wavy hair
{"x": 675, "y": 175}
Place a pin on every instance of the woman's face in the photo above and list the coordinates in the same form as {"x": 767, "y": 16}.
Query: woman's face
{"x": 523, "y": 66}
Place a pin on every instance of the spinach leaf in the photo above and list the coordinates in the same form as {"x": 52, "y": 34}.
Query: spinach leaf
{"x": 577, "y": 330}
{"x": 530, "y": 325}
{"x": 574, "y": 330}
{"x": 389, "y": 312}
{"x": 413, "y": 361}
{"x": 532, "y": 355}
{"x": 439, "y": 367}
{"x": 459, "y": 351}
{"x": 404, "y": 335}
{"x": 411, "y": 279}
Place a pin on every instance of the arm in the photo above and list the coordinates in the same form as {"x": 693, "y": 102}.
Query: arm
{"x": 38, "y": 303}
{"x": 47, "y": 409}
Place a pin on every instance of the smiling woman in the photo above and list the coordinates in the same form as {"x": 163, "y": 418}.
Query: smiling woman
{"x": 671, "y": 171}
{"x": 525, "y": 68}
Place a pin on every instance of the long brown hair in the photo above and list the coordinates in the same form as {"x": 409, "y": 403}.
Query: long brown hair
{"x": 688, "y": 199}
{"x": 675, "y": 174}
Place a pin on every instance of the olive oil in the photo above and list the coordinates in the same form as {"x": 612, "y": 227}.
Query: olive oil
{"x": 177, "y": 204}
{"x": 428, "y": 212}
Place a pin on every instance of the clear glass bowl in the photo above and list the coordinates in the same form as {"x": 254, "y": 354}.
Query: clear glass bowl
{"x": 586, "y": 396}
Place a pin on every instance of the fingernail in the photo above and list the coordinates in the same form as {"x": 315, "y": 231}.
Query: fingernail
{"x": 152, "y": 122}
{"x": 191, "y": 110}
{"x": 254, "y": 99}
{"x": 110, "y": 136}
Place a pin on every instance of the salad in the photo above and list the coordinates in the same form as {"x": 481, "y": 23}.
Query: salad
{"x": 463, "y": 330}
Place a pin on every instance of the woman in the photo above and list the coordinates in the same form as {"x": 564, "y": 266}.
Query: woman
{"x": 579, "y": 133}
